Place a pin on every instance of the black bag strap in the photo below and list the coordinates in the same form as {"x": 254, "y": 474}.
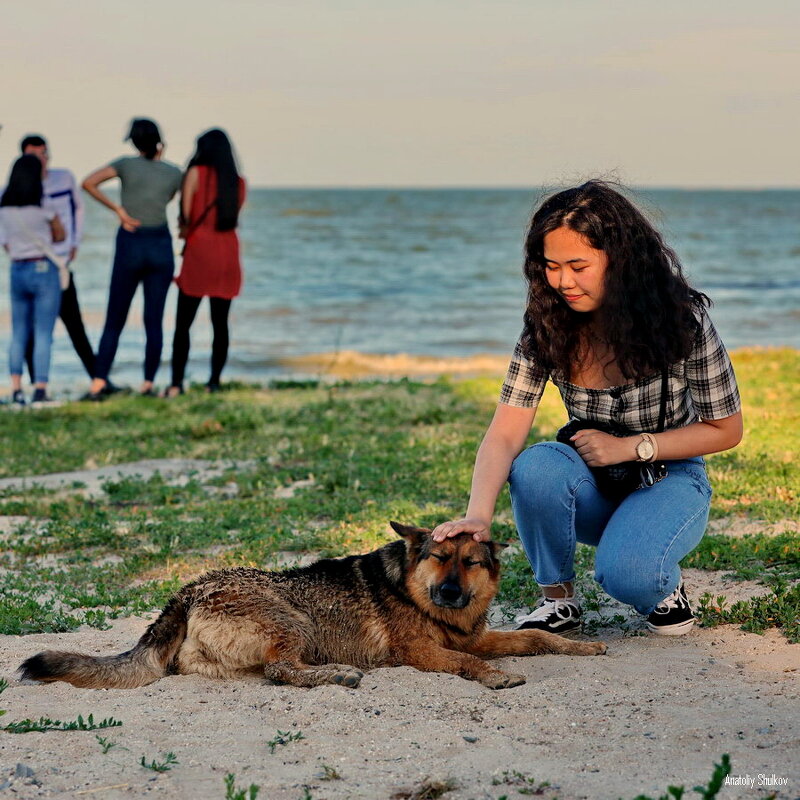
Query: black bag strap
{"x": 662, "y": 412}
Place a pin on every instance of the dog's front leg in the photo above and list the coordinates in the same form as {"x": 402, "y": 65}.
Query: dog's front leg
{"x": 428, "y": 657}
{"x": 493, "y": 644}
{"x": 295, "y": 673}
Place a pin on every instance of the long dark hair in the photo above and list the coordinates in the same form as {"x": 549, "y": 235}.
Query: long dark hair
{"x": 214, "y": 150}
{"x": 24, "y": 183}
{"x": 648, "y": 314}
{"x": 146, "y": 137}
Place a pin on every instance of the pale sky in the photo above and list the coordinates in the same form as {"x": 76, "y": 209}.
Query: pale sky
{"x": 417, "y": 92}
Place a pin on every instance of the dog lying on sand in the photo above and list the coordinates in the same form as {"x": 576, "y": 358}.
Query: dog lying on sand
{"x": 412, "y": 602}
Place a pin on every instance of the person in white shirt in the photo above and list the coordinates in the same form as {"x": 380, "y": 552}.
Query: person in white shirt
{"x": 29, "y": 232}
{"x": 61, "y": 194}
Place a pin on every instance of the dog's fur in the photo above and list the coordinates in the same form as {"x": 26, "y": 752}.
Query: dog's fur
{"x": 415, "y": 602}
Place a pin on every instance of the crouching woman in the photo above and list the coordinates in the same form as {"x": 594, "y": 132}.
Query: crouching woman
{"x": 647, "y": 384}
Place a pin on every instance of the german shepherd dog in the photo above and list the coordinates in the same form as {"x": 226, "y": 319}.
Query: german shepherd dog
{"x": 414, "y": 601}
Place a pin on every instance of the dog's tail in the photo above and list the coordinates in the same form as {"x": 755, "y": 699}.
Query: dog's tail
{"x": 145, "y": 663}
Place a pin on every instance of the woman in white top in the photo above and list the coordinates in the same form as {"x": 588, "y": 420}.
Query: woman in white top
{"x": 29, "y": 233}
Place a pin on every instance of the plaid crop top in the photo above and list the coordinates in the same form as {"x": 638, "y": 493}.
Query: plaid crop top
{"x": 701, "y": 387}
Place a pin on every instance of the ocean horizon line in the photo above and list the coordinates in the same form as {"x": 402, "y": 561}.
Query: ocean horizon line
{"x": 510, "y": 187}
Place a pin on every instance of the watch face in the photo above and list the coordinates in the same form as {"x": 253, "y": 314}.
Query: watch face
{"x": 644, "y": 450}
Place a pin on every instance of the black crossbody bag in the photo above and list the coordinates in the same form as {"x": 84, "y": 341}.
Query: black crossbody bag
{"x": 617, "y": 481}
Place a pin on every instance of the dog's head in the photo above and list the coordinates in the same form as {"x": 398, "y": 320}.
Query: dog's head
{"x": 454, "y": 574}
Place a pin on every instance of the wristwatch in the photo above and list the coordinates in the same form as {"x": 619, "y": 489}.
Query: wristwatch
{"x": 645, "y": 449}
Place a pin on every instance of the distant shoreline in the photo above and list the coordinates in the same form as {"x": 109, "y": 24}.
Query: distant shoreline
{"x": 501, "y": 188}
{"x": 355, "y": 364}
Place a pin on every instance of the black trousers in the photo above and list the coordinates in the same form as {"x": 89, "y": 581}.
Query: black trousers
{"x": 70, "y": 314}
{"x": 184, "y": 317}
{"x": 143, "y": 256}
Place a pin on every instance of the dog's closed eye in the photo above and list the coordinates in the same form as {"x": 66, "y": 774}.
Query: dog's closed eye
{"x": 441, "y": 557}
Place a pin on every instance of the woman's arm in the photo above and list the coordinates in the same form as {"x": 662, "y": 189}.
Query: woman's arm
{"x": 57, "y": 231}
{"x": 188, "y": 191}
{"x": 599, "y": 449}
{"x": 92, "y": 183}
{"x": 502, "y": 443}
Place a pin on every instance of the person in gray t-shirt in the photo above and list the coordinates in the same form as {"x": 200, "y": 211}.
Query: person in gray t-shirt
{"x": 143, "y": 249}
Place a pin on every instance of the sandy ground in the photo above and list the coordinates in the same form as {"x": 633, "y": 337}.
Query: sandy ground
{"x": 655, "y": 711}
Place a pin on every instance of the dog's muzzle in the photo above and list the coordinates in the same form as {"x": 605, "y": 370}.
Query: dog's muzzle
{"x": 449, "y": 595}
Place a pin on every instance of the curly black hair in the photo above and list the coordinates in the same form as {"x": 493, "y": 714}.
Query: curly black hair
{"x": 649, "y": 313}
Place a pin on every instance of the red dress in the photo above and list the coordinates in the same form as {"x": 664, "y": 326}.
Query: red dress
{"x": 211, "y": 265}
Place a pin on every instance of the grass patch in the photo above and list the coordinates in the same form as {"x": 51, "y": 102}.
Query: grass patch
{"x": 283, "y": 738}
{"x": 366, "y": 453}
{"x": 778, "y": 609}
{"x": 168, "y": 761}
{"x": 47, "y": 724}
{"x": 751, "y": 557}
{"x": 233, "y": 793}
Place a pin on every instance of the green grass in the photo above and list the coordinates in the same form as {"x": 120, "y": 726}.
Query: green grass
{"x": 233, "y": 793}
{"x": 706, "y": 792}
{"x": 169, "y": 760}
{"x": 369, "y": 452}
{"x": 47, "y": 724}
{"x": 282, "y": 738}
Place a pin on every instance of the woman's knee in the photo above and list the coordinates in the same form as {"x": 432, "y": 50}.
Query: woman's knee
{"x": 633, "y": 580}
{"x": 545, "y": 467}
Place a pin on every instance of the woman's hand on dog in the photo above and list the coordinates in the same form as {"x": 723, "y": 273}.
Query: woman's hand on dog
{"x": 479, "y": 528}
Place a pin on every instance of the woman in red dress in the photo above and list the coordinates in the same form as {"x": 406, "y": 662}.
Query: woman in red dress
{"x": 212, "y": 195}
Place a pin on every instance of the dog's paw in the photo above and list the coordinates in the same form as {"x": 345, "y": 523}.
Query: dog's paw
{"x": 587, "y": 649}
{"x": 502, "y": 680}
{"x": 348, "y": 677}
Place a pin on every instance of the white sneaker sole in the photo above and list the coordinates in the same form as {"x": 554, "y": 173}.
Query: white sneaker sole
{"x": 679, "y": 629}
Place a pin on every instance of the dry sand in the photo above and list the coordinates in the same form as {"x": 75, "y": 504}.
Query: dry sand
{"x": 655, "y": 711}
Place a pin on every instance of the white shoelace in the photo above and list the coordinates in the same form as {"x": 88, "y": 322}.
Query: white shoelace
{"x": 562, "y": 607}
{"x": 675, "y": 600}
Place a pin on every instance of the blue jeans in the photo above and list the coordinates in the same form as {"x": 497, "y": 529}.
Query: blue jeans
{"x": 35, "y": 301}
{"x": 639, "y": 541}
{"x": 144, "y": 256}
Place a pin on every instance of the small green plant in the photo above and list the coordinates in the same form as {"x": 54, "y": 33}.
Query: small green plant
{"x": 707, "y": 792}
{"x": 3, "y": 687}
{"x": 426, "y": 789}
{"x": 170, "y": 759}
{"x": 329, "y": 774}
{"x": 105, "y": 744}
{"x": 283, "y": 738}
{"x": 47, "y": 724}
{"x": 232, "y": 793}
{"x": 781, "y": 609}
{"x": 523, "y": 783}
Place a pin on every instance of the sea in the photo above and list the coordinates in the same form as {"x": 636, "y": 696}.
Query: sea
{"x": 433, "y": 272}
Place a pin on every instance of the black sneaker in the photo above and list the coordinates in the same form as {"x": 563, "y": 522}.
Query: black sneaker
{"x": 673, "y": 615}
{"x": 112, "y": 388}
{"x": 556, "y": 615}
{"x": 18, "y": 398}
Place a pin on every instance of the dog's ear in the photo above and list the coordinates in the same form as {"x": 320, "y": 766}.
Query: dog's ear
{"x": 496, "y": 547}
{"x": 407, "y": 531}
